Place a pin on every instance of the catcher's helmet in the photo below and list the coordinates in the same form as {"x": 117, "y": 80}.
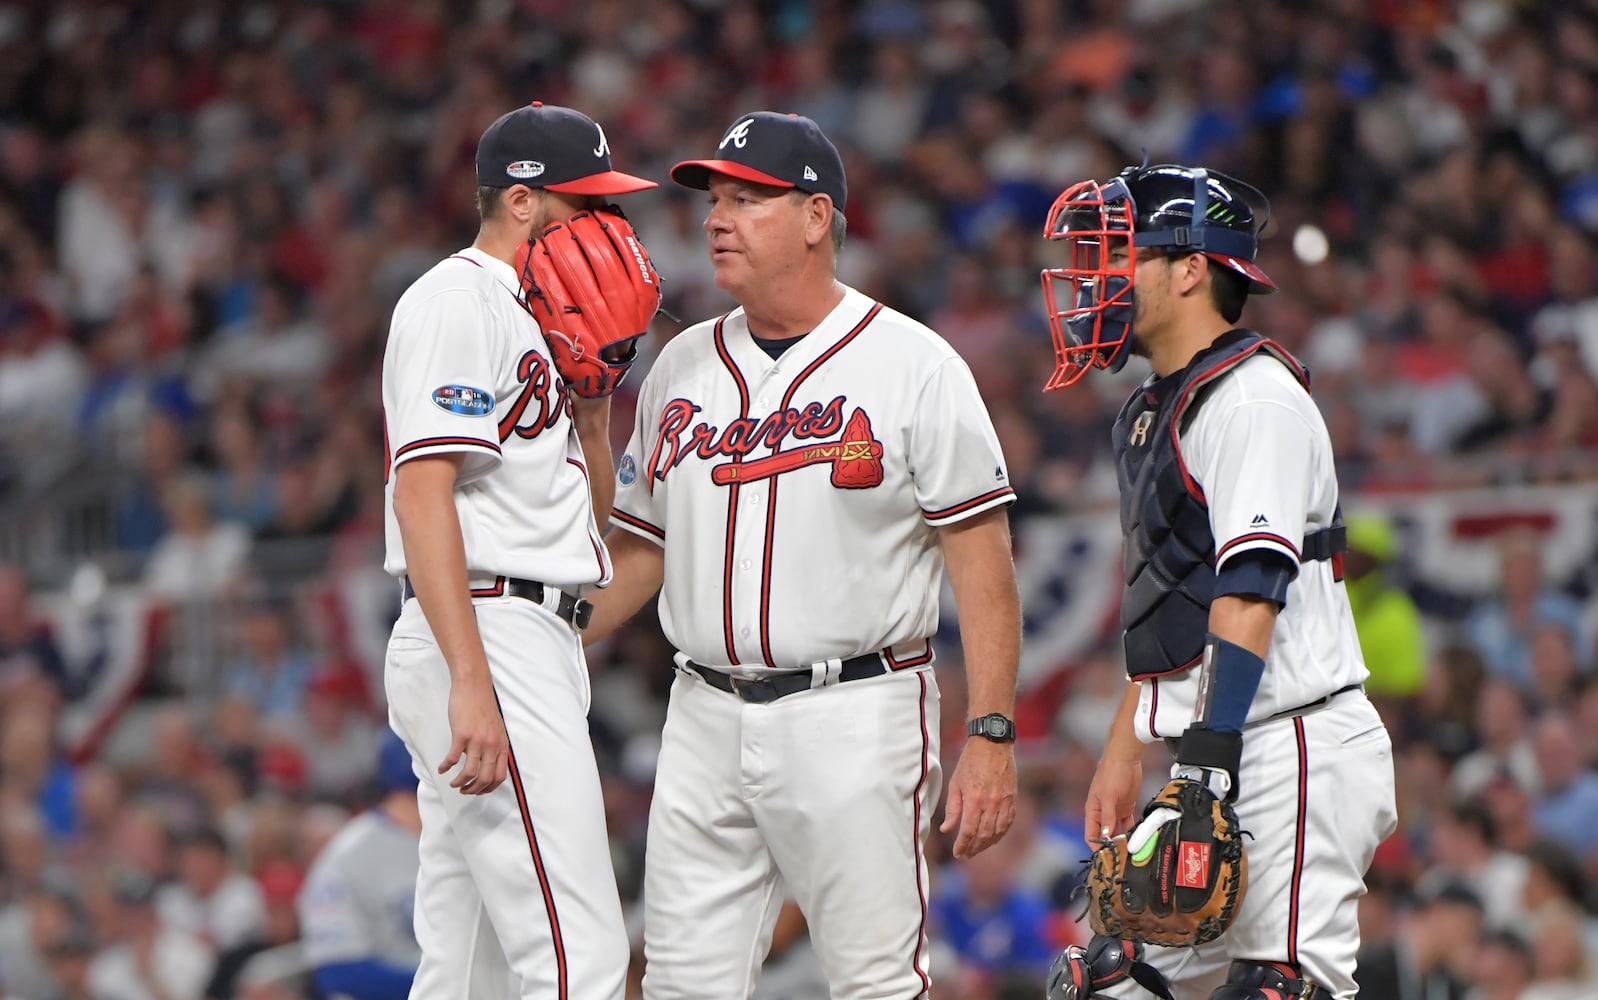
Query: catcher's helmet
{"x": 1181, "y": 209}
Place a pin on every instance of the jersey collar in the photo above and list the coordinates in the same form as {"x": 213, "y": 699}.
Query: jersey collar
{"x": 502, "y": 272}
{"x": 845, "y": 316}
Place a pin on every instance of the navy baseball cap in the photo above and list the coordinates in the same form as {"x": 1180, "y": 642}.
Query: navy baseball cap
{"x": 547, "y": 146}
{"x": 765, "y": 147}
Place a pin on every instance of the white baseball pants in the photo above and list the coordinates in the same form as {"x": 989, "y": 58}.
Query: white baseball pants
{"x": 826, "y": 794}
{"x": 1317, "y": 793}
{"x": 515, "y": 896}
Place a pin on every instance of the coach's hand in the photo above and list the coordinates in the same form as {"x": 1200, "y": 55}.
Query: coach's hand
{"x": 1112, "y": 798}
{"x": 981, "y": 796}
{"x": 477, "y": 738}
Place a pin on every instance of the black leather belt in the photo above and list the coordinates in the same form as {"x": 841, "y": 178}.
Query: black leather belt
{"x": 768, "y": 689}
{"x": 1311, "y": 706}
{"x": 1175, "y": 742}
{"x": 569, "y": 608}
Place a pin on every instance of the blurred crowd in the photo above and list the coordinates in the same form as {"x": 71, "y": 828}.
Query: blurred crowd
{"x": 208, "y": 207}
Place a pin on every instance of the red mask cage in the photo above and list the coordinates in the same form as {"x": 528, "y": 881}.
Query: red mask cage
{"x": 1093, "y": 327}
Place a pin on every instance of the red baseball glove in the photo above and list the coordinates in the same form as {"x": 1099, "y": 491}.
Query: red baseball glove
{"x": 592, "y": 287}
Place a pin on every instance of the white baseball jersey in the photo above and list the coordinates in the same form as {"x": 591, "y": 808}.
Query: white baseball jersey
{"x": 810, "y": 486}
{"x": 359, "y": 896}
{"x": 1260, "y": 452}
{"x": 467, "y": 370}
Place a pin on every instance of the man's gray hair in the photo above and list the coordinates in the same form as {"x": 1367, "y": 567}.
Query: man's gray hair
{"x": 840, "y": 224}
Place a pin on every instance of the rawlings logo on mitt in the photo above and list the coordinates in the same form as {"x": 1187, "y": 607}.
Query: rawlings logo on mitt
{"x": 593, "y": 289}
{"x": 1179, "y": 878}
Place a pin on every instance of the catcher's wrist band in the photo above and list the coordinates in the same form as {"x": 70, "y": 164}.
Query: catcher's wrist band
{"x": 1228, "y": 679}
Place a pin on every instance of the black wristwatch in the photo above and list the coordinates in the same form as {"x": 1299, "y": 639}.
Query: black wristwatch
{"x": 993, "y": 726}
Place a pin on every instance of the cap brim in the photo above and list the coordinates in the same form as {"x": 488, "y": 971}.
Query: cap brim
{"x": 1260, "y": 283}
{"x": 696, "y": 174}
{"x": 608, "y": 182}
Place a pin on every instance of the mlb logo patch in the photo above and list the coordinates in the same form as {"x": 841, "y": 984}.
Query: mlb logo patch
{"x": 1193, "y": 865}
{"x": 464, "y": 400}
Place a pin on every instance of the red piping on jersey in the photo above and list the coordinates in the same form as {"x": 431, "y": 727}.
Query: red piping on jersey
{"x": 538, "y": 866}
{"x": 1255, "y": 536}
{"x": 593, "y": 539}
{"x": 960, "y": 508}
{"x": 732, "y": 497}
{"x": 1189, "y": 665}
{"x": 1298, "y": 845}
{"x": 456, "y": 256}
{"x": 1154, "y": 706}
{"x": 771, "y": 493}
{"x": 434, "y": 442}
{"x": 1210, "y": 374}
{"x": 925, "y": 656}
{"x": 915, "y": 840}
{"x": 638, "y": 522}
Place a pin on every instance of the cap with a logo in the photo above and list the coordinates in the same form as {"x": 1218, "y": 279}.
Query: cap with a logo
{"x": 768, "y": 148}
{"x": 548, "y": 146}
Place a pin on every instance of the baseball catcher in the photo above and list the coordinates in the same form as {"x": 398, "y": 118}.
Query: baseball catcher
{"x": 1240, "y": 645}
{"x": 593, "y": 289}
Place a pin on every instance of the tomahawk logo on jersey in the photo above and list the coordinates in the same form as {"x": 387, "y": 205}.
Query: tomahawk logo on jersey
{"x": 855, "y": 457}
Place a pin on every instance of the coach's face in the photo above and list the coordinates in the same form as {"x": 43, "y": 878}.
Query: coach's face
{"x": 756, "y": 234}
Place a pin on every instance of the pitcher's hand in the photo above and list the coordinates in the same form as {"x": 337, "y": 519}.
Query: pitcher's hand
{"x": 477, "y": 738}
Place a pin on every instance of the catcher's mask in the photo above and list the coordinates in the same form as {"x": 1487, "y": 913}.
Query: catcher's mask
{"x": 1175, "y": 208}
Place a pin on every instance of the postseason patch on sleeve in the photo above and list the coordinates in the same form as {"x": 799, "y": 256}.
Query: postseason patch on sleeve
{"x": 628, "y": 473}
{"x": 464, "y": 400}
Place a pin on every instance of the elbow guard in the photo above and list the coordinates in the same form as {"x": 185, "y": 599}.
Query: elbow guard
{"x": 1264, "y": 573}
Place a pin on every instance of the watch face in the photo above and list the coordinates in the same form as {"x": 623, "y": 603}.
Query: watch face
{"x": 993, "y": 726}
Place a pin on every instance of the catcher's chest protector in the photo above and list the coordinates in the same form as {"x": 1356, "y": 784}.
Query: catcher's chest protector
{"x": 1169, "y": 553}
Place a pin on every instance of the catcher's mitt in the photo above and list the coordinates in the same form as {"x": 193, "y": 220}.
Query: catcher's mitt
{"x": 592, "y": 287}
{"x": 1183, "y": 877}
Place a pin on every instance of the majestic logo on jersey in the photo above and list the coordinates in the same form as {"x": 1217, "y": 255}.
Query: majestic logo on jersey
{"x": 525, "y": 169}
{"x": 855, "y": 457}
{"x": 464, "y": 400}
{"x": 541, "y": 385}
{"x": 738, "y": 135}
{"x": 627, "y": 473}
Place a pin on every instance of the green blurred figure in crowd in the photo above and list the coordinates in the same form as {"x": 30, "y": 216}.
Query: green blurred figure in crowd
{"x": 1387, "y": 620}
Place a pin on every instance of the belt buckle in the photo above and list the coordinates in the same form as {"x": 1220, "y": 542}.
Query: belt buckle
{"x": 582, "y": 612}
{"x": 757, "y": 692}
